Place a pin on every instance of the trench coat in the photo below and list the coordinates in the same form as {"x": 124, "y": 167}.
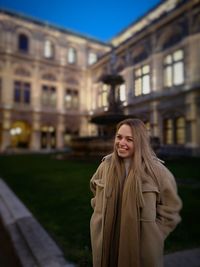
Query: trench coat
{"x": 158, "y": 217}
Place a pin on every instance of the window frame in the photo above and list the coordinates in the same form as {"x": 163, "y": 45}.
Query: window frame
{"x": 49, "y": 96}
{"x": 72, "y": 94}
{"x": 140, "y": 75}
{"x": 49, "y": 49}
{"x": 171, "y": 68}
{"x": 23, "y": 43}
{"x": 22, "y": 92}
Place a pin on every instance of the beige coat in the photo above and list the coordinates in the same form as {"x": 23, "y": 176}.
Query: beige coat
{"x": 158, "y": 217}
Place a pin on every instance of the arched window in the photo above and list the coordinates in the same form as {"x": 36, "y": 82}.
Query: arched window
{"x": 174, "y": 69}
{"x": 23, "y": 43}
{"x": 49, "y": 49}
{"x": 180, "y": 130}
{"x": 174, "y": 131}
{"x": 168, "y": 132}
{"x": 72, "y": 55}
{"x": 142, "y": 80}
{"x": 92, "y": 58}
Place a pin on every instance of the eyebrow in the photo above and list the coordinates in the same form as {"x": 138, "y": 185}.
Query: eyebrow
{"x": 129, "y": 136}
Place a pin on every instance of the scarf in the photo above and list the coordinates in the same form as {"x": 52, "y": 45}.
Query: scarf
{"x": 121, "y": 236}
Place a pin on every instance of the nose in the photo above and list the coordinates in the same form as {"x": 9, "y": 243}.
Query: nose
{"x": 122, "y": 142}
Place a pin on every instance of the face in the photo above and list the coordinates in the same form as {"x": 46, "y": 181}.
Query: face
{"x": 124, "y": 142}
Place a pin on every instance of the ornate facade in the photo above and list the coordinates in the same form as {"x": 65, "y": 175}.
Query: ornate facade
{"x": 50, "y": 82}
{"x": 159, "y": 59}
{"x": 43, "y": 76}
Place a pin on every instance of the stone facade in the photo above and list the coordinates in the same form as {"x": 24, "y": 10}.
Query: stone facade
{"x": 159, "y": 59}
{"x": 49, "y": 88}
{"x": 43, "y": 82}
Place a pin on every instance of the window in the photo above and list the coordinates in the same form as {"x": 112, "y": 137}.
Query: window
{"x": 168, "y": 131}
{"x": 122, "y": 92}
{"x": 174, "y": 69}
{"x": 174, "y": 131}
{"x": 49, "y": 96}
{"x": 48, "y": 49}
{"x": 23, "y": 43}
{"x": 48, "y": 136}
{"x": 71, "y": 100}
{"x": 142, "y": 80}
{"x": 180, "y": 130}
{"x": 103, "y": 96}
{"x": 72, "y": 55}
{"x": 22, "y": 92}
{"x": 92, "y": 58}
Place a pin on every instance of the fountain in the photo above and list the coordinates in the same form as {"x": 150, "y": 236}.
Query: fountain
{"x": 106, "y": 121}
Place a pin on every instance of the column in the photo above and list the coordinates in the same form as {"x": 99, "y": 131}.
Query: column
{"x": 60, "y": 132}
{"x": 6, "y": 142}
{"x": 154, "y": 120}
{"x": 35, "y": 143}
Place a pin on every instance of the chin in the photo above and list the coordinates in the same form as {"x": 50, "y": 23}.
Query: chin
{"x": 122, "y": 155}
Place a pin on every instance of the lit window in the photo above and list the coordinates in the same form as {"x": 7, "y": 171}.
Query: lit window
{"x": 174, "y": 131}
{"x": 23, "y": 43}
{"x": 72, "y": 55}
{"x": 122, "y": 92}
{"x": 174, "y": 69}
{"x": 49, "y": 97}
{"x": 180, "y": 130}
{"x": 168, "y": 131}
{"x": 103, "y": 96}
{"x": 92, "y": 58}
{"x": 48, "y": 49}
{"x": 71, "y": 99}
{"x": 142, "y": 80}
{"x": 22, "y": 92}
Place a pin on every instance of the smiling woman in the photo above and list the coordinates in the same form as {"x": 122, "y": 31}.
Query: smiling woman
{"x": 135, "y": 202}
{"x": 124, "y": 142}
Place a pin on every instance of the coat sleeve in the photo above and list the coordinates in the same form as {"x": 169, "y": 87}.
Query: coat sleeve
{"x": 168, "y": 209}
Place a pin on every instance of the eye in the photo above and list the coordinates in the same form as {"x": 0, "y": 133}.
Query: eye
{"x": 130, "y": 139}
{"x": 119, "y": 137}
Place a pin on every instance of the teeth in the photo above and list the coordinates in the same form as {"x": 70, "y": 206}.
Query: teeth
{"x": 122, "y": 149}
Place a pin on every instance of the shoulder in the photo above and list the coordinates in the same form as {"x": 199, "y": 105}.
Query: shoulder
{"x": 107, "y": 158}
{"x": 164, "y": 175}
{"x": 104, "y": 164}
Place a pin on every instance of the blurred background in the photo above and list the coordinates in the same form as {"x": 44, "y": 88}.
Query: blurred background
{"x": 62, "y": 93}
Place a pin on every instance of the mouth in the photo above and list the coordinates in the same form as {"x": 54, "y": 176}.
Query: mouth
{"x": 122, "y": 149}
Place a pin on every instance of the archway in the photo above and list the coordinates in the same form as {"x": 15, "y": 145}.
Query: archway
{"x": 48, "y": 136}
{"x": 20, "y": 134}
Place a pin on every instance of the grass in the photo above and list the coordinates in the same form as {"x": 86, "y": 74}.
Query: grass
{"x": 57, "y": 193}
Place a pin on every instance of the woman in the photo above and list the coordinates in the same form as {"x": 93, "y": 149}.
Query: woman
{"x": 135, "y": 202}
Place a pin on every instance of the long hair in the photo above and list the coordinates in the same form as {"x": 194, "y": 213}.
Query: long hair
{"x": 143, "y": 162}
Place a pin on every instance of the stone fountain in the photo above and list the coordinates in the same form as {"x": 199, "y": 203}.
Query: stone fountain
{"x": 106, "y": 121}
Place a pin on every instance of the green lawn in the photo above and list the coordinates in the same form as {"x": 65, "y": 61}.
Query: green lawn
{"x": 57, "y": 192}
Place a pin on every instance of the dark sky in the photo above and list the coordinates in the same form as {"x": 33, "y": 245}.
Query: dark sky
{"x": 94, "y": 18}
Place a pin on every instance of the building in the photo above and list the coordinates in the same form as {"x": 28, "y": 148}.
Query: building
{"x": 159, "y": 58}
{"x": 50, "y": 82}
{"x": 43, "y": 75}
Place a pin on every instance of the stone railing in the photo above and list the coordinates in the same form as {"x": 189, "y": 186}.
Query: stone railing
{"x": 31, "y": 244}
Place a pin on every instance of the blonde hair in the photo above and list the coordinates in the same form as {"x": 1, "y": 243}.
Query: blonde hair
{"x": 144, "y": 161}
